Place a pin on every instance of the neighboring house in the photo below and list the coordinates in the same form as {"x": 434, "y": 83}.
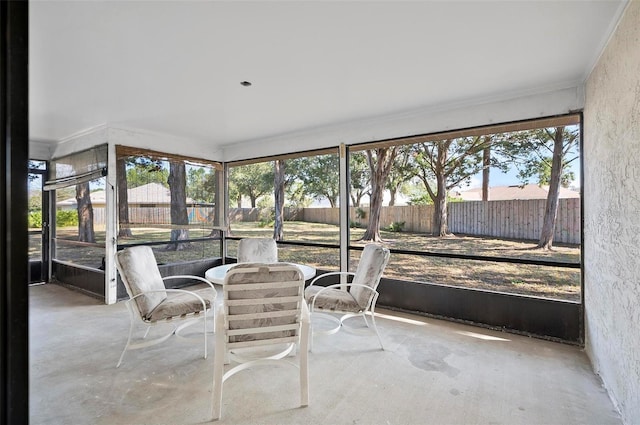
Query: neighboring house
{"x": 510, "y": 193}
{"x": 148, "y": 195}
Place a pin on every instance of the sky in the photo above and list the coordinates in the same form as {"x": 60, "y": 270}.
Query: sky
{"x": 498, "y": 178}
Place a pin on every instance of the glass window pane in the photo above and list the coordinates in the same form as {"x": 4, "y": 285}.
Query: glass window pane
{"x": 34, "y": 218}
{"x": 483, "y": 196}
{"x": 307, "y": 188}
{"x": 80, "y": 224}
{"x": 161, "y": 201}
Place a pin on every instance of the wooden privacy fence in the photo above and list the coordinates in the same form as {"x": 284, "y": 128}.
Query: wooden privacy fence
{"x": 521, "y": 219}
{"x": 159, "y": 215}
{"x": 256, "y": 214}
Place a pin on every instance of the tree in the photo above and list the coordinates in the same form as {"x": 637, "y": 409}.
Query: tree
{"x": 359, "y": 178}
{"x": 544, "y": 154}
{"x": 486, "y": 168}
{"x": 124, "y": 231}
{"x": 198, "y": 185}
{"x": 401, "y": 172}
{"x": 445, "y": 164}
{"x": 179, "y": 218}
{"x": 380, "y": 162}
{"x": 85, "y": 213}
{"x": 279, "y": 182}
{"x": 287, "y": 181}
{"x": 319, "y": 177}
{"x": 252, "y": 181}
{"x": 144, "y": 170}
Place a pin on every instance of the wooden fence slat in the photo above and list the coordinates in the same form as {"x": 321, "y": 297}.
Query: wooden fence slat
{"x": 518, "y": 219}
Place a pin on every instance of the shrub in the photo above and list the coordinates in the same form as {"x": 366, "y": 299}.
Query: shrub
{"x": 267, "y": 217}
{"x": 66, "y": 218}
{"x": 35, "y": 219}
{"x": 396, "y": 226}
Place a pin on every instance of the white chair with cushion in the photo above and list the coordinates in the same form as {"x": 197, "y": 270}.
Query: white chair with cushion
{"x": 264, "y": 321}
{"x": 257, "y": 250}
{"x": 357, "y": 298}
{"x": 151, "y": 303}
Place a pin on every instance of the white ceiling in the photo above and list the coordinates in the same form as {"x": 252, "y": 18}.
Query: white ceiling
{"x": 175, "y": 67}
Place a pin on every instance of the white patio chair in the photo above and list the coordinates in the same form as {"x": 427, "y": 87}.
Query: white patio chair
{"x": 151, "y": 303}
{"x": 357, "y": 298}
{"x": 264, "y": 320}
{"x": 257, "y": 250}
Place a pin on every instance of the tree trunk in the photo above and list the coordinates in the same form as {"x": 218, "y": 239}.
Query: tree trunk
{"x": 551, "y": 207}
{"x": 379, "y": 172}
{"x": 228, "y": 224}
{"x": 486, "y": 162}
{"x": 440, "y": 227}
{"x": 124, "y": 231}
{"x": 373, "y": 227}
{"x": 356, "y": 199}
{"x": 392, "y": 199}
{"x": 278, "y": 192}
{"x": 253, "y": 201}
{"x": 178, "y": 187}
{"x": 440, "y": 211}
{"x": 85, "y": 213}
{"x": 239, "y": 201}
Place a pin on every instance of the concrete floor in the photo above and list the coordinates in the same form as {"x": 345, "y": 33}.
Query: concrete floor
{"x": 432, "y": 372}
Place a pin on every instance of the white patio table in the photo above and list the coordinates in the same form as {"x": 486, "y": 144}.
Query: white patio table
{"x": 217, "y": 274}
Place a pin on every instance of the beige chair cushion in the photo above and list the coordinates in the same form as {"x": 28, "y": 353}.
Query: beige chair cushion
{"x": 332, "y": 299}
{"x": 257, "y": 250}
{"x": 139, "y": 272}
{"x": 372, "y": 262}
{"x": 181, "y": 305}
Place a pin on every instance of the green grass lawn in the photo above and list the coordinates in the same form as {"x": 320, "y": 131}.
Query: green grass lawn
{"x": 543, "y": 281}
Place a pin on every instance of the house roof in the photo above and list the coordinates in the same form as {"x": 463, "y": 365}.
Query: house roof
{"x": 151, "y": 193}
{"x": 508, "y": 193}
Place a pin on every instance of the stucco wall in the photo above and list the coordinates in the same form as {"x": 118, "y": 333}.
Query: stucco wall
{"x": 612, "y": 215}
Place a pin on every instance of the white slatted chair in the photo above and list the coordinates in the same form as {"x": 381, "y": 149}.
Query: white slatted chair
{"x": 357, "y": 298}
{"x": 151, "y": 303}
{"x": 257, "y": 250}
{"x": 264, "y": 320}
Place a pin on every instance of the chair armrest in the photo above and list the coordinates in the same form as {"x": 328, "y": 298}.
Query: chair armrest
{"x": 183, "y": 291}
{"x": 331, "y": 274}
{"x": 186, "y": 276}
{"x": 305, "y": 316}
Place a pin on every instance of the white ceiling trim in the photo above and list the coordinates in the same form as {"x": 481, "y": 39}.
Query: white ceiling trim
{"x": 454, "y": 116}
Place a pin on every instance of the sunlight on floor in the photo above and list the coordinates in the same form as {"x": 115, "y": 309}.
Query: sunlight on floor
{"x": 482, "y": 336}
{"x": 400, "y": 319}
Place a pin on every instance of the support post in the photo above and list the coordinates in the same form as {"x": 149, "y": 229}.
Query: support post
{"x": 344, "y": 210}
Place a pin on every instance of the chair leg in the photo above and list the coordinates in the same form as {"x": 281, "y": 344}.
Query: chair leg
{"x": 205, "y": 333}
{"x": 219, "y": 361}
{"x": 128, "y": 342}
{"x": 218, "y": 370}
{"x": 304, "y": 365}
{"x": 375, "y": 328}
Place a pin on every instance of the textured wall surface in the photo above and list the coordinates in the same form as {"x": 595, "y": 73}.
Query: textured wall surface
{"x": 612, "y": 215}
